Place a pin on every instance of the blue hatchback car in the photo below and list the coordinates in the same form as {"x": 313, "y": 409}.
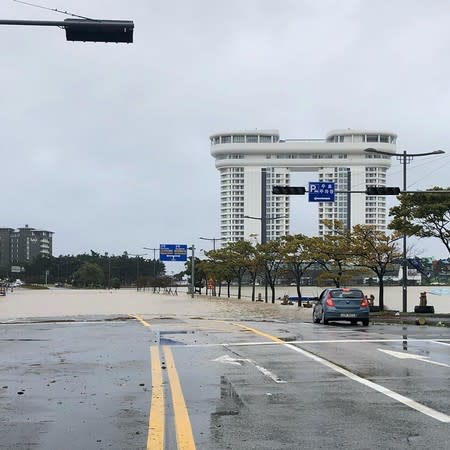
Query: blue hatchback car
{"x": 342, "y": 304}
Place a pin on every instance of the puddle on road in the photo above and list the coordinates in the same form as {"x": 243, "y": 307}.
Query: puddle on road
{"x": 160, "y": 339}
{"x": 230, "y": 403}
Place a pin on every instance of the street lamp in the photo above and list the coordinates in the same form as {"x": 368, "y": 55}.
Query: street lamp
{"x": 213, "y": 240}
{"x": 137, "y": 255}
{"x": 264, "y": 221}
{"x": 192, "y": 248}
{"x": 404, "y": 158}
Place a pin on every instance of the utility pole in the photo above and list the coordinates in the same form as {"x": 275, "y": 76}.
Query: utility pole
{"x": 137, "y": 256}
{"x": 193, "y": 271}
{"x": 154, "y": 259}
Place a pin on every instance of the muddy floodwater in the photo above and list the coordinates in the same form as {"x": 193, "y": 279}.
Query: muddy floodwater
{"x": 24, "y": 303}
{"x": 437, "y": 296}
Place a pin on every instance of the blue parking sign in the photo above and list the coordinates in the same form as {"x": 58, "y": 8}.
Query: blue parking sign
{"x": 321, "y": 191}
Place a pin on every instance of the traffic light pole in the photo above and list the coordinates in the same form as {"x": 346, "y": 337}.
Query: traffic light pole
{"x": 405, "y": 261}
{"x": 264, "y": 222}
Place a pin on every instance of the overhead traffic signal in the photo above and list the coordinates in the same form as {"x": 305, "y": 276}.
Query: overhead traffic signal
{"x": 99, "y": 30}
{"x": 86, "y": 30}
{"x": 382, "y": 190}
{"x": 288, "y": 190}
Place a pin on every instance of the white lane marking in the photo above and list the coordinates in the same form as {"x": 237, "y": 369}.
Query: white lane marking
{"x": 323, "y": 341}
{"x": 401, "y": 355}
{"x": 226, "y": 359}
{"x": 439, "y": 342}
{"x": 377, "y": 387}
{"x": 268, "y": 373}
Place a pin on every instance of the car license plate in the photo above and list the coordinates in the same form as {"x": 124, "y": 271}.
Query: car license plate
{"x": 347, "y": 315}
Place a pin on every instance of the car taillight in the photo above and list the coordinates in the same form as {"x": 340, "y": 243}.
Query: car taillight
{"x": 329, "y": 301}
{"x": 364, "y": 303}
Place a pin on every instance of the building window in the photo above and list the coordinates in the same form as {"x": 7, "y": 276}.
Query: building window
{"x": 226, "y": 139}
{"x": 239, "y": 139}
{"x": 266, "y": 139}
{"x": 252, "y": 138}
{"x": 372, "y": 138}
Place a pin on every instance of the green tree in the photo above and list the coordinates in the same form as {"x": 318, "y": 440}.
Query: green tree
{"x": 233, "y": 257}
{"x": 333, "y": 253}
{"x": 254, "y": 265}
{"x": 199, "y": 274}
{"x": 296, "y": 255}
{"x": 375, "y": 251}
{"x": 271, "y": 257}
{"x": 423, "y": 214}
{"x": 89, "y": 275}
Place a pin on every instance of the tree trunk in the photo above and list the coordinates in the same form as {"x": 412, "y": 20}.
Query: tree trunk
{"x": 381, "y": 294}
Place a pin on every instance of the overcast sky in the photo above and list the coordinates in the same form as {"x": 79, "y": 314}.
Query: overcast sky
{"x": 107, "y": 144}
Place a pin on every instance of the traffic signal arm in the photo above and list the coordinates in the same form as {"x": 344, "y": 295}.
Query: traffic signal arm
{"x": 86, "y": 30}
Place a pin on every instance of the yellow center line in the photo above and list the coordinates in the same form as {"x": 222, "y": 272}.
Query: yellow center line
{"x": 185, "y": 438}
{"x": 155, "y": 439}
{"x": 260, "y": 333}
{"x": 140, "y": 319}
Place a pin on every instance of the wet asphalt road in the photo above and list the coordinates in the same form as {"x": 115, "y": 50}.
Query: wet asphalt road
{"x": 248, "y": 381}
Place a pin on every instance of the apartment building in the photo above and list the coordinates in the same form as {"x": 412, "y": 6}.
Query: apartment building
{"x": 250, "y": 162}
{"x": 22, "y": 245}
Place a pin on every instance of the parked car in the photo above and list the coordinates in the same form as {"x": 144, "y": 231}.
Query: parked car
{"x": 341, "y": 304}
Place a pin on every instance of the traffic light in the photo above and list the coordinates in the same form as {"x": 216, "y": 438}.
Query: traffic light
{"x": 99, "y": 30}
{"x": 288, "y": 190}
{"x": 382, "y": 190}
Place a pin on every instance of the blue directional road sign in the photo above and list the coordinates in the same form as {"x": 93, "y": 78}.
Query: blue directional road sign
{"x": 172, "y": 252}
{"x": 321, "y": 191}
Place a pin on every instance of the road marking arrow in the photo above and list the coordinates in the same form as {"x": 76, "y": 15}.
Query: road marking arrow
{"x": 225, "y": 359}
{"x": 401, "y": 355}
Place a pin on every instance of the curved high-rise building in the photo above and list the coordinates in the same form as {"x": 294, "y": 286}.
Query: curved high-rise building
{"x": 250, "y": 162}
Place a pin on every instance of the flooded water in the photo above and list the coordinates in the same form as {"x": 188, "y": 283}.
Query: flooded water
{"x": 437, "y": 296}
{"x": 25, "y": 303}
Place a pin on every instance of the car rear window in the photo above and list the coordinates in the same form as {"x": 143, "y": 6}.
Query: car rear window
{"x": 346, "y": 293}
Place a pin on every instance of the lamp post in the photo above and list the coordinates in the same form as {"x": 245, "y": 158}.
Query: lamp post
{"x": 192, "y": 248}
{"x": 214, "y": 239}
{"x": 264, "y": 221}
{"x": 137, "y": 255}
{"x": 109, "y": 269}
{"x": 154, "y": 259}
{"x": 404, "y": 158}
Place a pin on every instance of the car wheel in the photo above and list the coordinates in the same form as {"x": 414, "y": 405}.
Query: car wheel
{"x": 365, "y": 322}
{"x": 325, "y": 321}
{"x": 353, "y": 322}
